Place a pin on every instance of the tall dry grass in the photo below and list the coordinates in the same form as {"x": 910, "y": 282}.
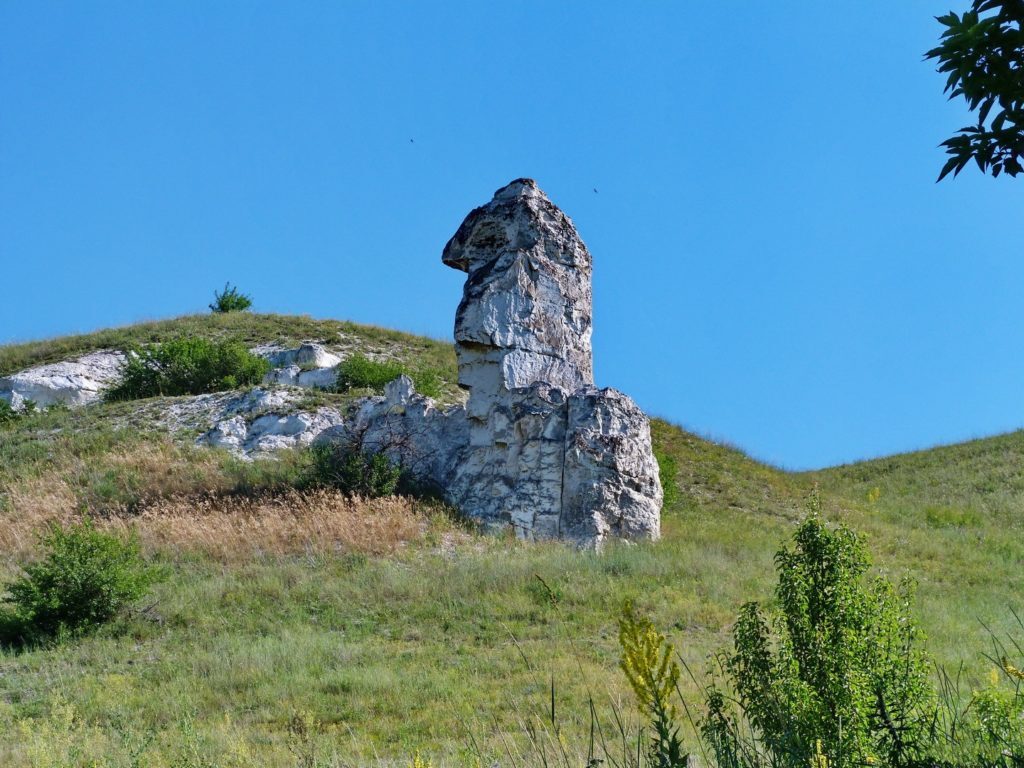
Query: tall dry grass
{"x": 180, "y": 500}
{"x": 234, "y": 527}
{"x": 319, "y": 521}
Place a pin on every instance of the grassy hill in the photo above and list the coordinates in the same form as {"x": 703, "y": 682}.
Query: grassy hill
{"x": 305, "y": 624}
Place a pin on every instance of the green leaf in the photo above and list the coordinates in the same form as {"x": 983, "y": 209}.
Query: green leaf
{"x": 949, "y": 166}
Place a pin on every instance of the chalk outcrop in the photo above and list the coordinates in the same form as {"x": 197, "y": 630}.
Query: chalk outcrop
{"x": 72, "y": 382}
{"x": 254, "y": 423}
{"x": 536, "y": 447}
{"x": 82, "y": 380}
{"x": 309, "y": 365}
{"x": 428, "y": 442}
{"x": 525, "y": 315}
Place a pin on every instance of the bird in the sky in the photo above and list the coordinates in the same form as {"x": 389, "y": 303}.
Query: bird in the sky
{"x": 595, "y": 190}
{"x": 411, "y": 141}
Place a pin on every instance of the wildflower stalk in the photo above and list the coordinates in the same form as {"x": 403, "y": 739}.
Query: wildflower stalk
{"x": 652, "y": 674}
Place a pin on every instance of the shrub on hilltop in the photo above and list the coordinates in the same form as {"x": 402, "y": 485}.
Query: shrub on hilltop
{"x": 188, "y": 366}
{"x": 230, "y": 300}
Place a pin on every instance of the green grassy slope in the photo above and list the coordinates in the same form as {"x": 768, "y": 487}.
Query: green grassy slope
{"x": 453, "y": 639}
{"x": 244, "y": 326}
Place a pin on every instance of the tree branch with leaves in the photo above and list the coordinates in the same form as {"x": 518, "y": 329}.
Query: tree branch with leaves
{"x": 983, "y": 53}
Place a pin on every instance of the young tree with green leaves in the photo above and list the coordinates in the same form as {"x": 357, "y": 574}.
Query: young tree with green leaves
{"x": 230, "y": 300}
{"x": 834, "y": 675}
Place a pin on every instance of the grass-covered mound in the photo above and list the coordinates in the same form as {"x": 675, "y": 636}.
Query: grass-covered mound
{"x": 251, "y": 329}
{"x": 356, "y": 630}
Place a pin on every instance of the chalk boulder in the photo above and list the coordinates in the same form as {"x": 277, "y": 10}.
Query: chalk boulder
{"x": 254, "y": 423}
{"x": 72, "y": 382}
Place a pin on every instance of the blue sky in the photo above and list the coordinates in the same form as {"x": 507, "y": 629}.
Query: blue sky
{"x": 774, "y": 264}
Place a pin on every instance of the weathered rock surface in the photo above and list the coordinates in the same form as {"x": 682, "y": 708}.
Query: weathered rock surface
{"x": 294, "y": 376}
{"x": 72, "y": 382}
{"x": 306, "y": 356}
{"x": 310, "y": 365}
{"x": 537, "y": 447}
{"x": 410, "y": 429}
{"x": 260, "y": 421}
{"x": 15, "y": 400}
{"x": 548, "y": 453}
{"x": 611, "y": 484}
{"x": 525, "y": 315}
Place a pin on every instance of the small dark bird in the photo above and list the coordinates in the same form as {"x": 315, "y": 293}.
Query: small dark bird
{"x": 595, "y": 190}
{"x": 411, "y": 141}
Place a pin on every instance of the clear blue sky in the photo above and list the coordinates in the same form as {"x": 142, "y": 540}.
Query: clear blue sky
{"x": 774, "y": 265}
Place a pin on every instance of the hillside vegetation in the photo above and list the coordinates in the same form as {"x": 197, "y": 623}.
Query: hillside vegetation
{"x": 302, "y": 625}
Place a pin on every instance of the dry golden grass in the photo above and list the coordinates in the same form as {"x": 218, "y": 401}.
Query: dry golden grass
{"x": 238, "y": 527}
{"x": 116, "y": 480}
{"x": 32, "y": 505}
{"x": 181, "y": 500}
{"x": 234, "y": 527}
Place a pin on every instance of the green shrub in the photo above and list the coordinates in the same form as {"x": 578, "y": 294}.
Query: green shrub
{"x": 84, "y": 579}
{"x": 987, "y": 727}
{"x": 230, "y": 300}
{"x": 668, "y": 468}
{"x": 188, "y": 366}
{"x": 360, "y": 372}
{"x": 992, "y": 730}
{"x": 9, "y": 416}
{"x": 356, "y": 472}
{"x": 428, "y": 381}
{"x": 835, "y": 675}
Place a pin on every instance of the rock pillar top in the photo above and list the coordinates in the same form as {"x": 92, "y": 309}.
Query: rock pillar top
{"x": 526, "y": 310}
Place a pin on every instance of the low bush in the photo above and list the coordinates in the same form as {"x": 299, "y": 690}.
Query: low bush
{"x": 84, "y": 579}
{"x": 355, "y": 472}
{"x": 836, "y": 671}
{"x": 230, "y": 300}
{"x": 10, "y": 415}
{"x": 188, "y": 366}
{"x": 428, "y": 381}
{"x": 7, "y": 414}
{"x": 360, "y": 372}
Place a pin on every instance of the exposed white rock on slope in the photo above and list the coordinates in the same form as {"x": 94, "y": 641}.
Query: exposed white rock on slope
{"x": 310, "y": 365}
{"x": 526, "y": 304}
{"x": 410, "y": 429}
{"x": 307, "y": 355}
{"x": 294, "y": 376}
{"x": 82, "y": 380}
{"x": 257, "y": 422}
{"x": 548, "y": 453}
{"x": 72, "y": 382}
{"x": 611, "y": 485}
